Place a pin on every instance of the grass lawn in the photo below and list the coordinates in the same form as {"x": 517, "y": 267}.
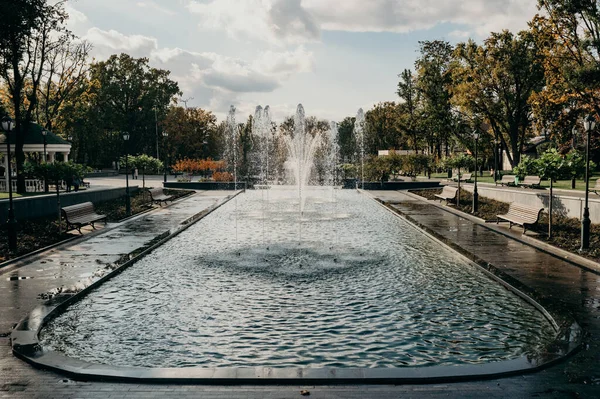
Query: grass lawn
{"x": 5, "y": 195}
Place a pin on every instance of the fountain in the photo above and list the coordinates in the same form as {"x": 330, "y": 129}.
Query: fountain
{"x": 301, "y": 151}
{"x": 231, "y": 148}
{"x": 359, "y": 136}
{"x": 261, "y": 129}
{"x": 381, "y": 295}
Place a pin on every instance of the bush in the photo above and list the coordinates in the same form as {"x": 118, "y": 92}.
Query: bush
{"x": 222, "y": 176}
{"x": 527, "y": 167}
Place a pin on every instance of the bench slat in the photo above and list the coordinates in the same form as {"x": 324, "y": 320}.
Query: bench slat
{"x": 80, "y": 215}
{"x": 159, "y": 196}
{"x": 521, "y": 214}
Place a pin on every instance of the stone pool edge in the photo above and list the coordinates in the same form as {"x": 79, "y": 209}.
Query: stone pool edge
{"x": 25, "y": 345}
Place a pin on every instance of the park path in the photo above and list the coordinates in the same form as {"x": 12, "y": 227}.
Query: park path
{"x": 579, "y": 290}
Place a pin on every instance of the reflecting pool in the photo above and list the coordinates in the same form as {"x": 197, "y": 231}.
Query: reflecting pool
{"x": 345, "y": 283}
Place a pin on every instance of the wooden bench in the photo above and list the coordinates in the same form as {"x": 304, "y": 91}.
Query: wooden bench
{"x": 531, "y": 181}
{"x": 158, "y": 196}
{"x": 509, "y": 180}
{"x": 522, "y": 215}
{"x": 448, "y": 193}
{"x": 464, "y": 177}
{"x": 81, "y": 215}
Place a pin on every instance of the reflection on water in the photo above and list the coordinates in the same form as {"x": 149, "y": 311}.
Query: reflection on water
{"x": 345, "y": 284}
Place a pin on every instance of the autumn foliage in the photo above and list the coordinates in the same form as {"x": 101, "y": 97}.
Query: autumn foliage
{"x": 204, "y": 167}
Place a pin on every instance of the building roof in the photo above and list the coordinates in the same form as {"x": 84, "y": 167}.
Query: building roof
{"x": 34, "y": 136}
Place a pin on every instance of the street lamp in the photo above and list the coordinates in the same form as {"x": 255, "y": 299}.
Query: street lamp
{"x": 589, "y": 124}
{"x": 495, "y": 160}
{"x": 475, "y": 206}
{"x": 44, "y": 134}
{"x": 165, "y": 135}
{"x": 7, "y": 127}
{"x": 127, "y": 196}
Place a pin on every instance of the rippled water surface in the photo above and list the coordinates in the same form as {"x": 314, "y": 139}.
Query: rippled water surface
{"x": 346, "y": 284}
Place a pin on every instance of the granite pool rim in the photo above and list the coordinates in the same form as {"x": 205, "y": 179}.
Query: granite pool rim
{"x": 25, "y": 344}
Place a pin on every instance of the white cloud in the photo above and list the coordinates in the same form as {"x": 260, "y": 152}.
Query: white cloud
{"x": 110, "y": 42}
{"x": 272, "y": 21}
{"x": 409, "y": 15}
{"x": 285, "y": 63}
{"x": 155, "y": 6}
{"x": 299, "y": 21}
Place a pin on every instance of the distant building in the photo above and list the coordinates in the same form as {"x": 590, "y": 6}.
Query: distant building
{"x": 529, "y": 149}
{"x": 385, "y": 153}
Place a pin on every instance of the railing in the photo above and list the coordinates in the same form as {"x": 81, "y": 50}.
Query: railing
{"x": 31, "y": 186}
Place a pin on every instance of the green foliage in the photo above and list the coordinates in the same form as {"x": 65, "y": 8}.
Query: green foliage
{"x": 414, "y": 164}
{"x": 147, "y": 164}
{"x": 461, "y": 161}
{"x": 527, "y": 167}
{"x": 576, "y": 164}
{"x": 377, "y": 169}
{"x": 57, "y": 171}
{"x": 348, "y": 170}
{"x": 553, "y": 166}
{"x": 494, "y": 82}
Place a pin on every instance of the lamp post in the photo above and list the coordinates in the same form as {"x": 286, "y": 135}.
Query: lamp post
{"x": 589, "y": 125}
{"x": 7, "y": 127}
{"x": 475, "y": 206}
{"x": 165, "y": 136}
{"x": 495, "y": 160}
{"x": 127, "y": 196}
{"x": 44, "y": 134}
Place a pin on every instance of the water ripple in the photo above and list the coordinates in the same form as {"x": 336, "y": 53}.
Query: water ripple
{"x": 349, "y": 286}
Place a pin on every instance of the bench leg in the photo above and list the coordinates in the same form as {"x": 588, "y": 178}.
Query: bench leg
{"x": 93, "y": 227}
{"x": 509, "y": 225}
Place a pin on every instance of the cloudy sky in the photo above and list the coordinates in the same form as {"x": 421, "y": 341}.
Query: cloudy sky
{"x": 333, "y": 56}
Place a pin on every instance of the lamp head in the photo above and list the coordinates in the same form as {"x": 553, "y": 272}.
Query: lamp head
{"x": 475, "y": 134}
{"x": 589, "y": 123}
{"x": 165, "y": 134}
{"x": 44, "y": 132}
{"x": 126, "y": 136}
{"x": 7, "y": 124}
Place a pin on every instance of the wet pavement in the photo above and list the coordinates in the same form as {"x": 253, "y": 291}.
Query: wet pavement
{"x": 554, "y": 281}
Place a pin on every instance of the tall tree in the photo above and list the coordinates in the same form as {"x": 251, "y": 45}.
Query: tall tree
{"x": 383, "y": 127}
{"x": 494, "y": 83}
{"x": 410, "y": 109}
{"x": 569, "y": 36}
{"x": 29, "y": 31}
{"x": 64, "y": 79}
{"x": 346, "y": 139}
{"x": 127, "y": 94}
{"x": 191, "y": 134}
{"x": 434, "y": 81}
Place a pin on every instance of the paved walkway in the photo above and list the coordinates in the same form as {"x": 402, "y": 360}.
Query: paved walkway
{"x": 578, "y": 377}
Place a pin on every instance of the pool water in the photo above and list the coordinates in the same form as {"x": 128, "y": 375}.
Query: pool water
{"x": 344, "y": 284}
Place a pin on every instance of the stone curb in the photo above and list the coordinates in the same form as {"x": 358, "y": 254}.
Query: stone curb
{"x": 25, "y": 345}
